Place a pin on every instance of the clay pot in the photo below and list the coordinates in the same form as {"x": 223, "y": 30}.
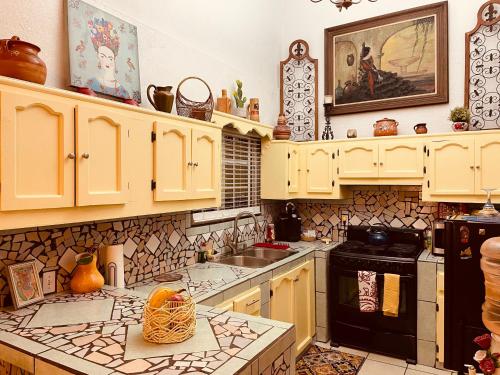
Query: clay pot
{"x": 385, "y": 127}
{"x": 224, "y": 103}
{"x": 253, "y": 110}
{"x": 20, "y": 60}
{"x": 460, "y": 126}
{"x": 282, "y": 130}
{"x": 163, "y": 98}
{"x": 86, "y": 278}
{"x": 420, "y": 128}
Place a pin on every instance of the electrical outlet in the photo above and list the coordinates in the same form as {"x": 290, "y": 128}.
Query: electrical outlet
{"x": 49, "y": 282}
{"x": 344, "y": 218}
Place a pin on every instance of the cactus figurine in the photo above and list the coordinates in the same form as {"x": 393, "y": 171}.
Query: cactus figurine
{"x": 240, "y": 109}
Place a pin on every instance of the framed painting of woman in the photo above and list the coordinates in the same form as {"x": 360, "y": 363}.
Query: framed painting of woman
{"x": 391, "y": 61}
{"x": 24, "y": 284}
{"x": 103, "y": 52}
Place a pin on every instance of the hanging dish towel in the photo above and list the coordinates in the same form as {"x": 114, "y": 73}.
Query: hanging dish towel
{"x": 368, "y": 294}
{"x": 391, "y": 295}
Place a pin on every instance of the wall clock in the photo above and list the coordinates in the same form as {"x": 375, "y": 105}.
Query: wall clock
{"x": 299, "y": 92}
{"x": 482, "y": 68}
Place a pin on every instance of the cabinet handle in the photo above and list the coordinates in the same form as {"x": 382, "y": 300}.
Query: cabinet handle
{"x": 374, "y": 163}
{"x": 381, "y": 163}
{"x": 85, "y": 155}
{"x": 190, "y": 164}
{"x": 298, "y": 170}
{"x": 195, "y": 164}
{"x": 252, "y": 302}
{"x": 71, "y": 155}
{"x": 296, "y": 279}
{"x": 471, "y": 167}
{"x": 477, "y": 166}
{"x": 308, "y": 171}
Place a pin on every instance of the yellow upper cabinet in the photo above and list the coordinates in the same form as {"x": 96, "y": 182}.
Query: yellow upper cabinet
{"x": 319, "y": 169}
{"x": 294, "y": 170}
{"x": 401, "y": 159}
{"x": 101, "y": 156}
{"x": 358, "y": 159}
{"x": 37, "y": 152}
{"x": 172, "y": 161}
{"x": 487, "y": 163}
{"x": 206, "y": 163}
{"x": 187, "y": 162}
{"x": 451, "y": 167}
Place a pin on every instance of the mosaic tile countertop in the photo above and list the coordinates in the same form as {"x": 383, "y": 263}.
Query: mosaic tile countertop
{"x": 101, "y": 333}
{"x": 207, "y": 279}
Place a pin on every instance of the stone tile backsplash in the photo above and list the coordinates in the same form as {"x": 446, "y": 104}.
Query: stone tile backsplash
{"x": 395, "y": 206}
{"x": 152, "y": 245}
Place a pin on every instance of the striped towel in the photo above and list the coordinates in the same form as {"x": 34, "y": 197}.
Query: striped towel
{"x": 368, "y": 293}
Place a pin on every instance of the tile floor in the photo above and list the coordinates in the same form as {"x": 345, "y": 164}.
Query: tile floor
{"x": 376, "y": 364}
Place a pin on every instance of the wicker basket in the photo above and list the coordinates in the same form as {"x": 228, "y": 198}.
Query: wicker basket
{"x": 171, "y": 323}
{"x": 189, "y": 108}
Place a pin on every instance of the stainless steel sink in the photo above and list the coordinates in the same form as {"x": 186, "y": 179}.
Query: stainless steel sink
{"x": 256, "y": 257}
{"x": 264, "y": 253}
{"x": 245, "y": 261}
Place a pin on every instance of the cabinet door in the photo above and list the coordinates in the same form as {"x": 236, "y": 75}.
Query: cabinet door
{"x": 36, "y": 152}
{"x": 282, "y": 298}
{"x": 440, "y": 315}
{"x": 319, "y": 169}
{"x": 226, "y": 305}
{"x": 172, "y": 153}
{"x": 451, "y": 167}
{"x": 487, "y": 160}
{"x": 101, "y": 157}
{"x": 359, "y": 160}
{"x": 293, "y": 169}
{"x": 248, "y": 303}
{"x": 206, "y": 164}
{"x": 304, "y": 307}
{"x": 401, "y": 159}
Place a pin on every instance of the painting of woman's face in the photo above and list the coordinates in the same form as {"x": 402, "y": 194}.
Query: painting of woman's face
{"x": 106, "y": 59}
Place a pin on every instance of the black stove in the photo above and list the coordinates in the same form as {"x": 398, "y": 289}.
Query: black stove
{"x": 373, "y": 331}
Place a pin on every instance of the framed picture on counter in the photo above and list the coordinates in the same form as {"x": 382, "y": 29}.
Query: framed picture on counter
{"x": 391, "y": 61}
{"x": 24, "y": 283}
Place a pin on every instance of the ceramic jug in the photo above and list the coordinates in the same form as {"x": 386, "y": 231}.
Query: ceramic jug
{"x": 420, "y": 128}
{"x": 253, "y": 110}
{"x": 224, "y": 103}
{"x": 86, "y": 277}
{"x": 163, "y": 98}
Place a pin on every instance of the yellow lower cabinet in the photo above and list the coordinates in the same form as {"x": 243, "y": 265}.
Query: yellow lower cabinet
{"x": 440, "y": 316}
{"x": 248, "y": 302}
{"x": 292, "y": 301}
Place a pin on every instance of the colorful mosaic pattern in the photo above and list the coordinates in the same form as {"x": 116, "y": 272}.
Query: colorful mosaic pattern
{"x": 395, "y": 206}
{"x": 103, "y": 343}
{"x": 323, "y": 361}
{"x": 152, "y": 245}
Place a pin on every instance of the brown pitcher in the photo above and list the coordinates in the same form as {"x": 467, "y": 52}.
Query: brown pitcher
{"x": 163, "y": 98}
{"x": 19, "y": 59}
{"x": 420, "y": 128}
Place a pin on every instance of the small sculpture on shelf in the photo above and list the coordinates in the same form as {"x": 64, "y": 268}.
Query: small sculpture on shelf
{"x": 240, "y": 100}
{"x": 163, "y": 98}
{"x": 224, "y": 102}
{"x": 282, "y": 130}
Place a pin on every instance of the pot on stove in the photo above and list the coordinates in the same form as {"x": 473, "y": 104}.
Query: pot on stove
{"x": 377, "y": 235}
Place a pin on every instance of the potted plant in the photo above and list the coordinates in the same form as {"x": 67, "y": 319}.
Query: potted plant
{"x": 460, "y": 117}
{"x": 239, "y": 109}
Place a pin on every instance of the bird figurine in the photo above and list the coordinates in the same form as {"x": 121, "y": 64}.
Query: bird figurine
{"x": 130, "y": 64}
{"x": 80, "y": 48}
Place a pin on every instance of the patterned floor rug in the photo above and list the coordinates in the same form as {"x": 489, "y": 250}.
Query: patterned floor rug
{"x": 321, "y": 361}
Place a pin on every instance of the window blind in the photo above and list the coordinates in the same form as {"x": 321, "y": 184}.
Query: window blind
{"x": 240, "y": 171}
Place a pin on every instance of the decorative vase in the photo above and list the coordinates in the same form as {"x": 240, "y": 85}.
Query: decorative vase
{"x": 163, "y": 98}
{"x": 420, "y": 128}
{"x": 385, "y": 127}
{"x": 253, "y": 110}
{"x": 282, "y": 130}
{"x": 352, "y": 133}
{"x": 240, "y": 112}
{"x": 224, "y": 102}
{"x": 460, "y": 126}
{"x": 20, "y": 60}
{"x": 86, "y": 278}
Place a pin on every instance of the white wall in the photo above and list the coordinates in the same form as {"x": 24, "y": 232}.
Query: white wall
{"x": 305, "y": 20}
{"x": 218, "y": 40}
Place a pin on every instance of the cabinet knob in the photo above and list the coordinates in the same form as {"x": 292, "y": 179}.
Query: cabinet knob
{"x": 190, "y": 164}
{"x": 477, "y": 166}
{"x": 381, "y": 163}
{"x": 195, "y": 164}
{"x": 71, "y": 155}
{"x": 471, "y": 167}
{"x": 296, "y": 279}
{"x": 308, "y": 171}
{"x": 374, "y": 163}
{"x": 85, "y": 155}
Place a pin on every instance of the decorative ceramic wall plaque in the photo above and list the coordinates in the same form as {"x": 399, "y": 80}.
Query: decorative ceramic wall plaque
{"x": 103, "y": 52}
{"x": 299, "y": 92}
{"x": 391, "y": 61}
{"x": 482, "y": 68}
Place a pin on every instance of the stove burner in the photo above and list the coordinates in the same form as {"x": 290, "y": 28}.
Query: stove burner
{"x": 397, "y": 250}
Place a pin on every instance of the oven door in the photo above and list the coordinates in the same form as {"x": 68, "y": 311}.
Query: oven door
{"x": 345, "y": 303}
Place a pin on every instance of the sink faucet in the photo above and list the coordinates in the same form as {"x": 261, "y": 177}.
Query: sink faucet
{"x": 233, "y": 244}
